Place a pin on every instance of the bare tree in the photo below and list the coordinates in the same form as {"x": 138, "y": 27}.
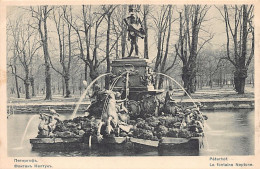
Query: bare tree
{"x": 211, "y": 67}
{"x": 145, "y": 15}
{"x": 239, "y": 32}
{"x": 41, "y": 14}
{"x": 120, "y": 29}
{"x": 63, "y": 31}
{"x": 90, "y": 21}
{"x": 14, "y": 71}
{"x": 188, "y": 47}
{"x": 26, "y": 45}
{"x": 163, "y": 28}
{"x": 13, "y": 61}
{"x": 108, "y": 10}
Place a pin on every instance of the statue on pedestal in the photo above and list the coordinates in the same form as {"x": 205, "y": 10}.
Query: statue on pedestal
{"x": 134, "y": 27}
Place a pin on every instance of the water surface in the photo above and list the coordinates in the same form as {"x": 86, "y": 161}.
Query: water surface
{"x": 228, "y": 132}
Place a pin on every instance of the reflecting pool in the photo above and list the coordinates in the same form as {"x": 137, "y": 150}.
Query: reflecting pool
{"x": 227, "y": 132}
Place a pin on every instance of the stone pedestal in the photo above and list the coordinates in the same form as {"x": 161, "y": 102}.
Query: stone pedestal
{"x": 138, "y": 82}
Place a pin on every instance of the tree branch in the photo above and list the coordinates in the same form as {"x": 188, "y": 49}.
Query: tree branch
{"x": 206, "y": 41}
{"x": 54, "y": 67}
{"x": 16, "y": 74}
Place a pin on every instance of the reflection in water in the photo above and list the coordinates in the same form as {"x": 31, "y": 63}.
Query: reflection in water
{"x": 26, "y": 129}
{"x": 227, "y": 133}
{"x": 232, "y": 133}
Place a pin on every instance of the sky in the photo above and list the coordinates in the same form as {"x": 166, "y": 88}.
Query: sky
{"x": 214, "y": 24}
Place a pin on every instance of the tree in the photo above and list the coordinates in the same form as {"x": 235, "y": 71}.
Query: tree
{"x": 163, "y": 25}
{"x": 41, "y": 14}
{"x": 90, "y": 20}
{"x": 145, "y": 14}
{"x": 108, "y": 10}
{"x": 11, "y": 28}
{"x": 188, "y": 46}
{"x": 63, "y": 27}
{"x": 239, "y": 30}
{"x": 26, "y": 45}
{"x": 210, "y": 62}
{"x": 120, "y": 29}
{"x": 14, "y": 71}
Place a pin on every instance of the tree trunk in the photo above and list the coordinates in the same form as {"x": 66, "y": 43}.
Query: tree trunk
{"x": 80, "y": 84}
{"x": 161, "y": 78}
{"x": 66, "y": 80}
{"x": 32, "y": 85}
{"x": 93, "y": 73}
{"x": 86, "y": 72}
{"x": 117, "y": 45}
{"x": 107, "y": 51}
{"x": 210, "y": 82}
{"x": 63, "y": 86}
{"x": 16, "y": 83}
{"x": 15, "y": 73}
{"x": 239, "y": 80}
{"x": 186, "y": 86}
{"x": 48, "y": 83}
{"x": 158, "y": 56}
{"x": 123, "y": 42}
{"x": 27, "y": 88}
{"x": 193, "y": 84}
{"x": 240, "y": 74}
{"x": 27, "y": 85}
{"x": 189, "y": 80}
{"x": 73, "y": 85}
{"x": 193, "y": 53}
{"x": 240, "y": 44}
{"x": 146, "y": 33}
{"x": 163, "y": 63}
{"x": 44, "y": 38}
{"x": 124, "y": 33}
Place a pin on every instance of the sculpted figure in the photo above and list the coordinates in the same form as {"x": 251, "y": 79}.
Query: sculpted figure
{"x": 43, "y": 129}
{"x": 109, "y": 117}
{"x": 47, "y": 123}
{"x": 134, "y": 28}
{"x": 53, "y": 119}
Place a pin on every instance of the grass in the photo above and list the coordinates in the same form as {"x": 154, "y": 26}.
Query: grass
{"x": 204, "y": 93}
{"x": 219, "y": 93}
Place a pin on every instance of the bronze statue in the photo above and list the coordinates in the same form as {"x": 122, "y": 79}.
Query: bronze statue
{"x": 48, "y": 123}
{"x": 135, "y": 29}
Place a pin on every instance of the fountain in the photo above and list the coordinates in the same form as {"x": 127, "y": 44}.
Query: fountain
{"x": 85, "y": 92}
{"x": 130, "y": 113}
{"x": 25, "y": 131}
{"x": 178, "y": 85}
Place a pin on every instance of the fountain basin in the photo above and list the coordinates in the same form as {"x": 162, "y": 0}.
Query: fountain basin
{"x": 71, "y": 142}
{"x": 193, "y": 143}
{"x": 234, "y": 126}
{"x": 56, "y": 143}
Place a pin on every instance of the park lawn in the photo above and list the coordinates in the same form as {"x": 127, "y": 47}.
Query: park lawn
{"x": 221, "y": 96}
{"x": 225, "y": 93}
{"x": 41, "y": 98}
{"x": 219, "y": 93}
